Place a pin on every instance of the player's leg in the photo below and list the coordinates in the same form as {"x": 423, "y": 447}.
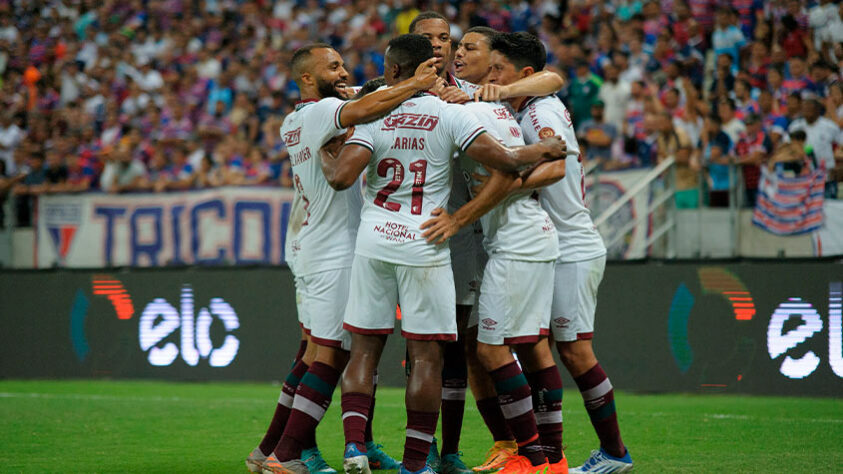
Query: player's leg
{"x": 304, "y": 357}
{"x": 502, "y": 322}
{"x": 428, "y": 319}
{"x": 486, "y": 398}
{"x": 369, "y": 316}
{"x": 546, "y": 385}
{"x": 536, "y": 358}
{"x": 326, "y": 294}
{"x": 378, "y": 458}
{"x": 357, "y": 395}
{"x": 454, "y": 382}
{"x": 313, "y": 397}
{"x": 422, "y": 399}
{"x": 574, "y": 305}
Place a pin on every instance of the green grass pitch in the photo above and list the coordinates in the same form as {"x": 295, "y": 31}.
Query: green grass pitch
{"x": 150, "y": 427}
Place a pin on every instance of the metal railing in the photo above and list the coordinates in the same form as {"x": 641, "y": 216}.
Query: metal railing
{"x": 667, "y": 227}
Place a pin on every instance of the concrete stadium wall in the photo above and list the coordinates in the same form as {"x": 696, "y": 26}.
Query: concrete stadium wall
{"x": 751, "y": 327}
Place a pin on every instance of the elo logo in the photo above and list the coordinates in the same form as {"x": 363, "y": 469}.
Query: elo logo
{"x": 160, "y": 319}
{"x": 779, "y": 342}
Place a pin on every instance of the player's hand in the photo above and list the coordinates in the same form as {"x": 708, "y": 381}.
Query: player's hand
{"x": 556, "y": 148}
{"x": 491, "y": 93}
{"x": 481, "y": 179}
{"x": 425, "y": 75}
{"x": 439, "y": 86}
{"x": 440, "y": 228}
{"x": 454, "y": 95}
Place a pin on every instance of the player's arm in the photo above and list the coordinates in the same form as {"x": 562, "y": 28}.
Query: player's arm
{"x": 442, "y": 226}
{"x": 542, "y": 175}
{"x": 490, "y": 153}
{"x": 342, "y": 170}
{"x": 539, "y": 84}
{"x": 376, "y": 104}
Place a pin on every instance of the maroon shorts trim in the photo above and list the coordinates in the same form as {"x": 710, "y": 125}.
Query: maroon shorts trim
{"x": 326, "y": 342}
{"x": 544, "y": 332}
{"x": 585, "y": 335}
{"x": 366, "y": 332}
{"x": 508, "y": 341}
{"x": 429, "y": 337}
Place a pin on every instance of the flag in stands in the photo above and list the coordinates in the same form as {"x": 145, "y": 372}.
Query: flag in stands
{"x": 790, "y": 206}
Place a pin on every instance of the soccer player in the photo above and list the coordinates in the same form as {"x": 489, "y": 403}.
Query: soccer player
{"x": 467, "y": 256}
{"x": 320, "y": 242}
{"x": 582, "y": 259}
{"x": 522, "y": 245}
{"x": 408, "y": 154}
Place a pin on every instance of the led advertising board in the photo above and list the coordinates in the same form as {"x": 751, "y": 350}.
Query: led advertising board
{"x": 763, "y": 328}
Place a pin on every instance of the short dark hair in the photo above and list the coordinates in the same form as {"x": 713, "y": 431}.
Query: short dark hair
{"x": 521, "y": 49}
{"x": 370, "y": 86}
{"x": 300, "y": 57}
{"x": 799, "y": 135}
{"x": 427, "y": 15}
{"x": 489, "y": 33}
{"x": 408, "y": 51}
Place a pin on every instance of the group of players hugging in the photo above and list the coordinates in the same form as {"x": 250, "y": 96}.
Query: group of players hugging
{"x": 472, "y": 220}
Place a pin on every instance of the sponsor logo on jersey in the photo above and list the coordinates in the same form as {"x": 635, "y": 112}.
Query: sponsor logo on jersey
{"x": 293, "y": 137}
{"x": 409, "y": 104}
{"x": 546, "y": 132}
{"x": 394, "y": 232}
{"x": 501, "y": 113}
{"x": 568, "y": 118}
{"x": 561, "y": 322}
{"x": 410, "y": 121}
{"x": 515, "y": 131}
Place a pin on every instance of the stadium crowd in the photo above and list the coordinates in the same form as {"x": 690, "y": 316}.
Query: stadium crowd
{"x": 169, "y": 95}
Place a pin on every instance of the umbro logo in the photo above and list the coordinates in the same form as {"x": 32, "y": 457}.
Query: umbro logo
{"x": 488, "y": 324}
{"x": 561, "y": 322}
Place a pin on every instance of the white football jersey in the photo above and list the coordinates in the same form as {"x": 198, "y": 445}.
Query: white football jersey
{"x": 564, "y": 201}
{"x": 323, "y": 222}
{"x": 469, "y": 238}
{"x": 409, "y": 176}
{"x": 518, "y": 228}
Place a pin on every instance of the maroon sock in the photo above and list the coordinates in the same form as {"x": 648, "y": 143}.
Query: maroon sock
{"x": 454, "y": 381}
{"x": 517, "y": 406}
{"x": 421, "y": 426}
{"x": 355, "y": 414}
{"x": 546, "y": 385}
{"x": 313, "y": 398}
{"x": 302, "y": 348}
{"x": 282, "y": 410}
{"x": 490, "y": 410}
{"x": 368, "y": 434}
{"x": 599, "y": 399}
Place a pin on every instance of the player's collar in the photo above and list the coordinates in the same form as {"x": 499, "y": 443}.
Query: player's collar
{"x": 527, "y": 103}
{"x": 304, "y": 102}
{"x": 452, "y": 80}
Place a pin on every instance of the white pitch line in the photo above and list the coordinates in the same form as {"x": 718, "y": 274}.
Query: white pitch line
{"x": 131, "y": 398}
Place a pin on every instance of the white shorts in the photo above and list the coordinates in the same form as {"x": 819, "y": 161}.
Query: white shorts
{"x": 321, "y": 299}
{"x": 575, "y": 299}
{"x": 426, "y": 295}
{"x": 467, "y": 261}
{"x": 514, "y": 304}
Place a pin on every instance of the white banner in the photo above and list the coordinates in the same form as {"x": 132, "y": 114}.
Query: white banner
{"x": 610, "y": 186}
{"x": 238, "y": 226}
